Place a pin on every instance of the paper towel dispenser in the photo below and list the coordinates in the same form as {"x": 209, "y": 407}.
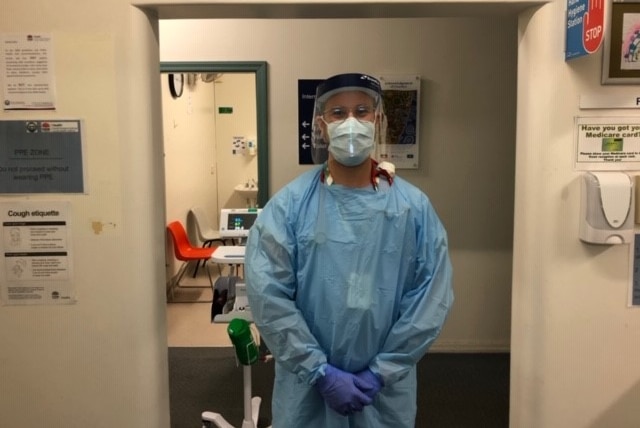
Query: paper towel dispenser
{"x": 606, "y": 208}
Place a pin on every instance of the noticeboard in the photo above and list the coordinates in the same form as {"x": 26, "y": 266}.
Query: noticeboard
{"x": 41, "y": 156}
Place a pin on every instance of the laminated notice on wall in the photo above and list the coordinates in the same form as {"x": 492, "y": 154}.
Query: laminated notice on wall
{"x": 41, "y": 156}
{"x": 401, "y": 96}
{"x": 36, "y": 248}
{"x": 27, "y": 71}
{"x": 607, "y": 143}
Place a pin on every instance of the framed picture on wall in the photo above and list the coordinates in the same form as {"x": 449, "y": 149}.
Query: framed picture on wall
{"x": 621, "y": 59}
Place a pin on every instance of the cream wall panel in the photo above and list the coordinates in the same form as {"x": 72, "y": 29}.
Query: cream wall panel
{"x": 238, "y": 91}
{"x": 575, "y": 344}
{"x": 102, "y": 361}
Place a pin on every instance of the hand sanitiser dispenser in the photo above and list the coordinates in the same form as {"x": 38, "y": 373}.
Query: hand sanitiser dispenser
{"x": 606, "y": 209}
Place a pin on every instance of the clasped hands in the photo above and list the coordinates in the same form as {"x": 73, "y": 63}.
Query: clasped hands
{"x": 346, "y": 392}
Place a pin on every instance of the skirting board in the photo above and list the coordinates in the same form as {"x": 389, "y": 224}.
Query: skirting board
{"x": 469, "y": 347}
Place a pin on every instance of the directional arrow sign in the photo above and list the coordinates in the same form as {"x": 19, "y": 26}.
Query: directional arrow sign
{"x": 306, "y": 101}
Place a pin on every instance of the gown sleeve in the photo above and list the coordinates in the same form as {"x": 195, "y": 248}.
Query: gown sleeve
{"x": 424, "y": 305}
{"x": 271, "y": 289}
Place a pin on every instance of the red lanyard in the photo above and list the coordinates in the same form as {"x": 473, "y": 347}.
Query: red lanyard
{"x": 376, "y": 172}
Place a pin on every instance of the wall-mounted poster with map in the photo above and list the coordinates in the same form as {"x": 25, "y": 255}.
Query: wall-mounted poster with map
{"x": 401, "y": 96}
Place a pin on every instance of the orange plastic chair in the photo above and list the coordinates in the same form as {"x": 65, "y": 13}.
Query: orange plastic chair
{"x": 186, "y": 253}
{"x": 205, "y": 232}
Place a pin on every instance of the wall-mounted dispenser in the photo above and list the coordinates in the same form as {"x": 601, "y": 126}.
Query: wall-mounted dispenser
{"x": 607, "y": 208}
{"x": 251, "y": 147}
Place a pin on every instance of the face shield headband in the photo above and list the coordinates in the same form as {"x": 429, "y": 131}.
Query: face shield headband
{"x": 335, "y": 85}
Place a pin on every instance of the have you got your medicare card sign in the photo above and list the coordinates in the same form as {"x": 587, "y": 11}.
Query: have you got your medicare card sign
{"x": 607, "y": 143}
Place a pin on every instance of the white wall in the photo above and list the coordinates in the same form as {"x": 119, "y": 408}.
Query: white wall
{"x": 575, "y": 346}
{"x": 238, "y": 91}
{"x": 101, "y": 362}
{"x": 189, "y": 132}
{"x": 468, "y": 171}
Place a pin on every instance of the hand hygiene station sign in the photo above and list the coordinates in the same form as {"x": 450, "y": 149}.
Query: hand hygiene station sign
{"x": 37, "y": 266}
{"x": 585, "y": 27}
{"x": 608, "y": 143}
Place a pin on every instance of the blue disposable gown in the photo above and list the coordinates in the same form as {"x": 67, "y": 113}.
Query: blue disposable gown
{"x": 355, "y": 278}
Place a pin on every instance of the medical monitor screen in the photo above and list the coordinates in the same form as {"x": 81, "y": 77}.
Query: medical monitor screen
{"x": 240, "y": 221}
{"x": 236, "y": 222}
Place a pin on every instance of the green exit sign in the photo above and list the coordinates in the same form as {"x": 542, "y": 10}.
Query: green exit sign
{"x": 225, "y": 110}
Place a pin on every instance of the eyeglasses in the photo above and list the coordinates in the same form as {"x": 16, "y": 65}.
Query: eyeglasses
{"x": 339, "y": 113}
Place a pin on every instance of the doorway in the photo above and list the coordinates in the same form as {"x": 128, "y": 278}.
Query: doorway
{"x": 207, "y": 108}
{"x": 470, "y": 185}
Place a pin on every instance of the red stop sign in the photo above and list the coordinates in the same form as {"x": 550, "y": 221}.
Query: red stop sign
{"x": 593, "y": 26}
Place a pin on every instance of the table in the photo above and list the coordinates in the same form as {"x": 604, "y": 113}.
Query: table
{"x": 233, "y": 255}
{"x": 229, "y": 254}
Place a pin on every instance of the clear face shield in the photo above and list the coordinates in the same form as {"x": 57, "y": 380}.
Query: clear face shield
{"x": 349, "y": 107}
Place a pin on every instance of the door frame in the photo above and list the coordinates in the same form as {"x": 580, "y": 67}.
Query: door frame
{"x": 262, "y": 137}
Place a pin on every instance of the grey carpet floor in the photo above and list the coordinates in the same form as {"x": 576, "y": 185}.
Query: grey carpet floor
{"x": 454, "y": 390}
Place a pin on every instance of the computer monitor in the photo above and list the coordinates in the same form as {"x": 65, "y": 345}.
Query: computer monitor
{"x": 236, "y": 222}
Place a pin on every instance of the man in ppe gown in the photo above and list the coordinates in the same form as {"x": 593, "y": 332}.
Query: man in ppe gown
{"x": 348, "y": 275}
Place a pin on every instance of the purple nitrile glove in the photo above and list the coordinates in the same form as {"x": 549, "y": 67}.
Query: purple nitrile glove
{"x": 339, "y": 390}
{"x": 369, "y": 382}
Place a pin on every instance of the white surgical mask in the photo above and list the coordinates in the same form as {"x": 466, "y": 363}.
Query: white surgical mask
{"x": 351, "y": 141}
